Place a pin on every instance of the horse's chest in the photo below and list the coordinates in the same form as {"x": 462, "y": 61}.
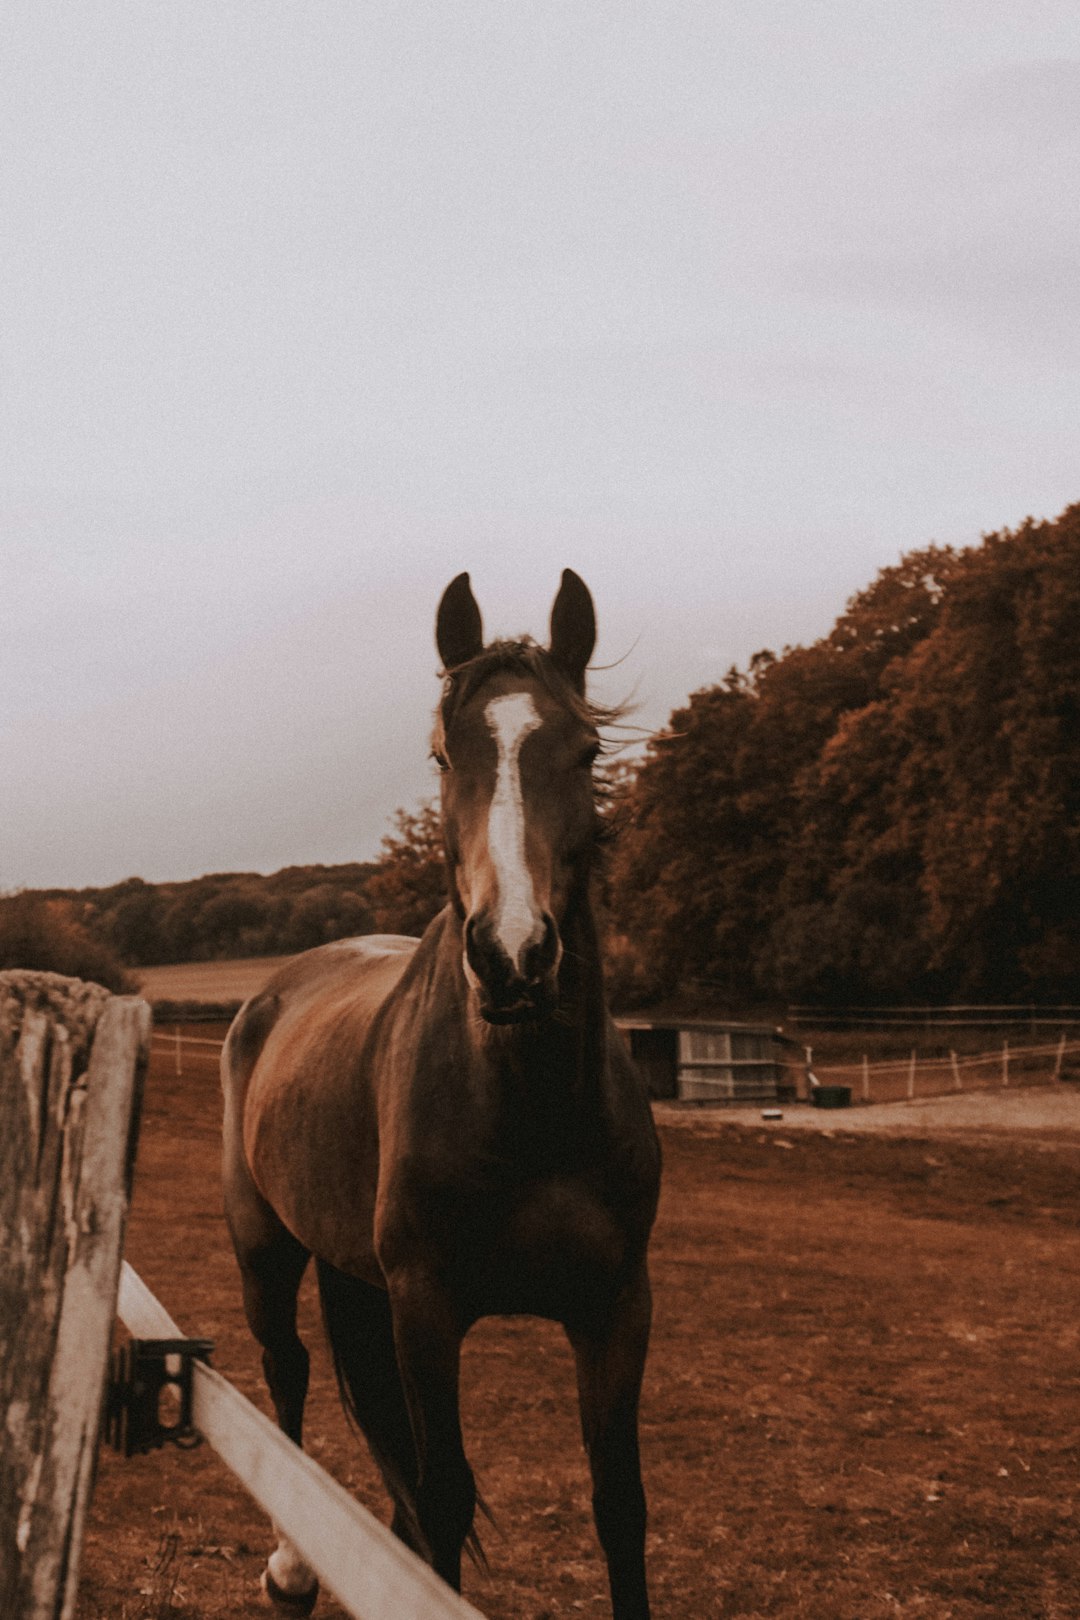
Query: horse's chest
{"x": 561, "y": 1217}
{"x": 548, "y": 1247}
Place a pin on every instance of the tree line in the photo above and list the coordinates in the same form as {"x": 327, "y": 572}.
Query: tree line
{"x": 890, "y": 813}
{"x": 100, "y": 933}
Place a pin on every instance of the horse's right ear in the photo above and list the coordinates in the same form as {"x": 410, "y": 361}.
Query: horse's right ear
{"x": 459, "y": 630}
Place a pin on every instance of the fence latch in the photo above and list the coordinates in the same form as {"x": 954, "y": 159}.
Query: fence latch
{"x": 142, "y": 1371}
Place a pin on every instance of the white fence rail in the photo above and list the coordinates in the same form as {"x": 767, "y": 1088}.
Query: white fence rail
{"x": 370, "y": 1572}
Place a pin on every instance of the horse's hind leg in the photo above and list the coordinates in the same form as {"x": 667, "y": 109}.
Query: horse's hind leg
{"x": 361, "y": 1338}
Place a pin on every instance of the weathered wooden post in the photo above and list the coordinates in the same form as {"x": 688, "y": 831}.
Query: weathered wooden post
{"x": 72, "y": 1059}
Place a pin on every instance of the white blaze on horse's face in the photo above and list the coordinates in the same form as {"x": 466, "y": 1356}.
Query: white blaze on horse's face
{"x": 519, "y": 920}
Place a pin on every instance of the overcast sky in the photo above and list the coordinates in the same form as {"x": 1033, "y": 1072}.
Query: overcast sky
{"x": 305, "y": 307}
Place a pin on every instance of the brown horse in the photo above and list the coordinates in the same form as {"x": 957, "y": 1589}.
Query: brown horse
{"x": 451, "y": 1125}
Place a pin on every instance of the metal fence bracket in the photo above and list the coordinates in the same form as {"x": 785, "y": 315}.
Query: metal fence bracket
{"x": 142, "y": 1370}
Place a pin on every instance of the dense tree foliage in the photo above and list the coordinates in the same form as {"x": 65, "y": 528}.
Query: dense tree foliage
{"x": 894, "y": 811}
{"x": 47, "y": 935}
{"x": 235, "y": 914}
{"x": 231, "y": 914}
{"x": 225, "y": 914}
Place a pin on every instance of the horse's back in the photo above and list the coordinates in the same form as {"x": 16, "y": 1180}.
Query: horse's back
{"x": 365, "y": 968}
{"x": 366, "y": 959}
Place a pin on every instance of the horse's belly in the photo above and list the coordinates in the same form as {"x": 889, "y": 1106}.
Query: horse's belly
{"x": 315, "y": 1164}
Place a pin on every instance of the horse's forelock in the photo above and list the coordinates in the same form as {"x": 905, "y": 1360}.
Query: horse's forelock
{"x": 522, "y": 657}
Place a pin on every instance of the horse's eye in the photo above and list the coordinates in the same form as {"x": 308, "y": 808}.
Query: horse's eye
{"x": 441, "y": 760}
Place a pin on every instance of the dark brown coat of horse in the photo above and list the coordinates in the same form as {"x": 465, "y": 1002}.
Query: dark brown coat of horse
{"x": 452, "y": 1127}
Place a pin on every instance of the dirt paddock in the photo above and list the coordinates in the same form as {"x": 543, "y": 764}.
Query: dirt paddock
{"x": 863, "y": 1399}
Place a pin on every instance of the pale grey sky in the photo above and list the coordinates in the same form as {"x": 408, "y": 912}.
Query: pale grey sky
{"x": 306, "y": 307}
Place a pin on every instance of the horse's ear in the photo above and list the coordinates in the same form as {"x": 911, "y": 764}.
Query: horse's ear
{"x": 459, "y": 630}
{"x": 573, "y": 628}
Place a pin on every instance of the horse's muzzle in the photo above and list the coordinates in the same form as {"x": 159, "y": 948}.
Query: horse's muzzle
{"x": 509, "y": 993}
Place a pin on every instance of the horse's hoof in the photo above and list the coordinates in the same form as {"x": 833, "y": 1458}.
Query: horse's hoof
{"x": 299, "y": 1603}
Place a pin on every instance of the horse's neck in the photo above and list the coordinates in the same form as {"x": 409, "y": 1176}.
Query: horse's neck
{"x": 561, "y": 1064}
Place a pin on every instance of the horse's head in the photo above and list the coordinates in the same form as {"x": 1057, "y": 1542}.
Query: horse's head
{"x": 515, "y": 741}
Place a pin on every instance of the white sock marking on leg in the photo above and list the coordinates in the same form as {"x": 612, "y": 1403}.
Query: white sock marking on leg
{"x": 289, "y": 1572}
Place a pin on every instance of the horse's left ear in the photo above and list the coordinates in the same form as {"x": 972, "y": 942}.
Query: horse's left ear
{"x": 573, "y": 628}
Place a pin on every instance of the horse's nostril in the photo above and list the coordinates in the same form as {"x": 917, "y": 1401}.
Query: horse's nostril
{"x": 472, "y": 946}
{"x": 483, "y": 952}
{"x": 541, "y": 957}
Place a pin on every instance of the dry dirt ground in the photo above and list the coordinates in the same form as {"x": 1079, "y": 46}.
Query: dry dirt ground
{"x": 863, "y": 1399}
{"x": 1050, "y": 1112}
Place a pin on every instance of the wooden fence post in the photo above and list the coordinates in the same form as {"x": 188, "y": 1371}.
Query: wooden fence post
{"x": 911, "y": 1076}
{"x": 957, "y": 1082}
{"x": 866, "y": 1078}
{"x": 1005, "y": 1062}
{"x": 72, "y": 1059}
{"x": 1060, "y": 1057}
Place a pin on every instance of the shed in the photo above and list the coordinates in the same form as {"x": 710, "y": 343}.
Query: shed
{"x": 700, "y": 1060}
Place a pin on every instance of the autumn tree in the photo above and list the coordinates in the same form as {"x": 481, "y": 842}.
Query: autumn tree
{"x": 46, "y": 934}
{"x": 894, "y": 811}
{"x": 408, "y": 886}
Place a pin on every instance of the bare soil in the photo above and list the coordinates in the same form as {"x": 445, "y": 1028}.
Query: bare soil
{"x": 863, "y": 1399}
{"x": 1051, "y": 1112}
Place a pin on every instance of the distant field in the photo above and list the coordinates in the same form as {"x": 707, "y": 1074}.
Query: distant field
{"x": 207, "y": 981}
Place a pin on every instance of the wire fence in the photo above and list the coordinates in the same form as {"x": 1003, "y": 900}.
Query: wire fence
{"x": 889, "y": 1080}
{"x": 184, "y": 1049}
{"x": 903, "y": 1079}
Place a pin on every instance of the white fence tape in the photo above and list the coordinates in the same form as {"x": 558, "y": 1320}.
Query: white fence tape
{"x": 970, "y": 1060}
{"x": 365, "y": 1566}
{"x": 188, "y": 1040}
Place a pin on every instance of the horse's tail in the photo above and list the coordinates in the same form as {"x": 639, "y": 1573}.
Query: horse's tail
{"x": 359, "y": 1332}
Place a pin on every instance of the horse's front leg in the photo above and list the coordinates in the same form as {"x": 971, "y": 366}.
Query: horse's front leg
{"x": 610, "y": 1359}
{"x": 427, "y": 1340}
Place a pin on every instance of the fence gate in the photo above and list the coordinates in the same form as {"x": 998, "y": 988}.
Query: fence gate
{"x": 72, "y": 1060}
